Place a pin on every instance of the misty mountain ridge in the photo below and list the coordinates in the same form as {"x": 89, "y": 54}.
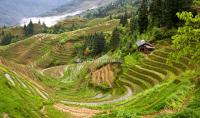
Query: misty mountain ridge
{"x": 14, "y": 12}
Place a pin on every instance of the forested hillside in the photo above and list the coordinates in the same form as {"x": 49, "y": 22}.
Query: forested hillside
{"x": 125, "y": 59}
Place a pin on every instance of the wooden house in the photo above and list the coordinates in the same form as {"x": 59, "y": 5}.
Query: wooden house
{"x": 144, "y": 46}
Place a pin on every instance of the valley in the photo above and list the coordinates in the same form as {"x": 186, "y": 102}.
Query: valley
{"x": 92, "y": 66}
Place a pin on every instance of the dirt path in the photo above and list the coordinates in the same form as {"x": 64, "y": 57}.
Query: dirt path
{"x": 77, "y": 112}
{"x": 126, "y": 96}
{"x": 5, "y": 115}
{"x": 57, "y": 71}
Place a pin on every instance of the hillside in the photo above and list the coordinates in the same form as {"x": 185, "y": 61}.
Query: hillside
{"x": 18, "y": 10}
{"x": 121, "y": 60}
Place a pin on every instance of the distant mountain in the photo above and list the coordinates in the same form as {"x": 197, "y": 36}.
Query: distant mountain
{"x": 12, "y": 11}
{"x": 78, "y": 5}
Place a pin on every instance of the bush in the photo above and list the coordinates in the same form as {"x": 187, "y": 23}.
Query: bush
{"x": 126, "y": 114}
{"x": 162, "y": 35}
{"x": 186, "y": 113}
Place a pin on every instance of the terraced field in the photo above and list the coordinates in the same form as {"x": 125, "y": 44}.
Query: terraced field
{"x": 63, "y": 54}
{"x": 141, "y": 89}
{"x": 152, "y": 76}
{"x": 71, "y": 84}
{"x": 17, "y": 81}
{"x": 153, "y": 70}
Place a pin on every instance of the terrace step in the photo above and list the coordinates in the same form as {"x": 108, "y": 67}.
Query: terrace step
{"x": 161, "y": 53}
{"x": 142, "y": 76}
{"x": 149, "y": 73}
{"x": 162, "y": 66}
{"x": 154, "y": 69}
{"x": 136, "y": 88}
{"x": 143, "y": 84}
{"x": 149, "y": 100}
{"x": 180, "y": 66}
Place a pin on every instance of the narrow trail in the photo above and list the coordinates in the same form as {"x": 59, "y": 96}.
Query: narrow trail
{"x": 5, "y": 115}
{"x": 77, "y": 112}
{"x": 126, "y": 96}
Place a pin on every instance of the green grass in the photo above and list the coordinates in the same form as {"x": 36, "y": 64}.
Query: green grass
{"x": 51, "y": 112}
{"x": 12, "y": 100}
{"x": 22, "y": 99}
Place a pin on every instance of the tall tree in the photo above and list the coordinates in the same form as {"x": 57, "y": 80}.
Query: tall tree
{"x": 124, "y": 19}
{"x": 134, "y": 24}
{"x": 29, "y": 29}
{"x": 100, "y": 43}
{"x": 156, "y": 12}
{"x": 115, "y": 39}
{"x": 143, "y": 17}
{"x": 170, "y": 9}
{"x": 163, "y": 12}
{"x": 44, "y": 28}
{"x": 96, "y": 43}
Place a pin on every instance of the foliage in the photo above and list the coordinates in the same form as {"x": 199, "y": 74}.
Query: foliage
{"x": 163, "y": 12}
{"x": 143, "y": 17}
{"x": 156, "y": 12}
{"x": 13, "y": 97}
{"x": 95, "y": 43}
{"x": 162, "y": 35}
{"x": 7, "y": 39}
{"x": 132, "y": 59}
{"x": 190, "y": 111}
{"x": 115, "y": 39}
{"x": 186, "y": 41}
{"x": 29, "y": 29}
{"x": 124, "y": 19}
{"x": 54, "y": 113}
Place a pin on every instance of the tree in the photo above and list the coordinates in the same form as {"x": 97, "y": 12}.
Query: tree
{"x": 25, "y": 30}
{"x": 39, "y": 22}
{"x": 156, "y": 12}
{"x": 96, "y": 43}
{"x": 169, "y": 17}
{"x": 7, "y": 39}
{"x": 186, "y": 41}
{"x": 185, "y": 5}
{"x": 143, "y": 17}
{"x": 110, "y": 17}
{"x": 124, "y": 19}
{"x": 29, "y": 29}
{"x": 115, "y": 39}
{"x": 163, "y": 12}
{"x": 99, "y": 43}
{"x": 2, "y": 32}
{"x": 134, "y": 24}
{"x": 44, "y": 28}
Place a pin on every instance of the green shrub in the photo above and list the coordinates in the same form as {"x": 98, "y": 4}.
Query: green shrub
{"x": 186, "y": 113}
{"x": 161, "y": 35}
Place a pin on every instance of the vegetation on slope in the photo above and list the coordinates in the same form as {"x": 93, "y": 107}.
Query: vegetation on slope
{"x": 153, "y": 85}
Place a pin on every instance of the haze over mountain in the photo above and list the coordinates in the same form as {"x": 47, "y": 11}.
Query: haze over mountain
{"x": 12, "y": 11}
{"x": 15, "y": 12}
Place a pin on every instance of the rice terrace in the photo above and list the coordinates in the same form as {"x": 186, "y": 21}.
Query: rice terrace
{"x": 100, "y": 59}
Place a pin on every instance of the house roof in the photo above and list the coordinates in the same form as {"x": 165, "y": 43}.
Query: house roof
{"x": 140, "y": 42}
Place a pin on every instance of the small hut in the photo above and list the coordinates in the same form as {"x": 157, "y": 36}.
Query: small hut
{"x": 144, "y": 46}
